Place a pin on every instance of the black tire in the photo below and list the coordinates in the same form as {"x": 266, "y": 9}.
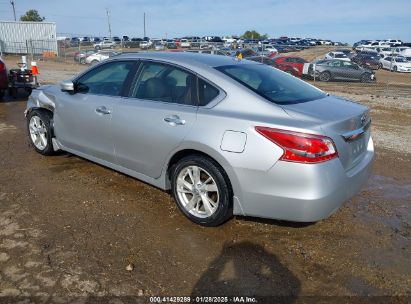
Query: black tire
{"x": 365, "y": 78}
{"x": 13, "y": 92}
{"x": 82, "y": 60}
{"x": 325, "y": 76}
{"x": 46, "y": 118}
{"x": 1, "y": 94}
{"x": 380, "y": 66}
{"x": 94, "y": 62}
{"x": 395, "y": 69}
{"x": 224, "y": 209}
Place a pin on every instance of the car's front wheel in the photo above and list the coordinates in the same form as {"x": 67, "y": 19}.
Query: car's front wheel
{"x": 202, "y": 190}
{"x": 365, "y": 77}
{"x": 39, "y": 129}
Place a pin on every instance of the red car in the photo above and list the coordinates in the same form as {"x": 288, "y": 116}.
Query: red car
{"x": 292, "y": 65}
{"x": 3, "y": 78}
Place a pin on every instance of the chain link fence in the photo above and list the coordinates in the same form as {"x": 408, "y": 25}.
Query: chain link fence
{"x": 347, "y": 76}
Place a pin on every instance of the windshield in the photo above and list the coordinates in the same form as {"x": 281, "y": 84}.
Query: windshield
{"x": 272, "y": 84}
{"x": 398, "y": 59}
{"x": 340, "y": 56}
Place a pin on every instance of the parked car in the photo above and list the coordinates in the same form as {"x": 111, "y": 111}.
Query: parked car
{"x": 396, "y": 64}
{"x": 116, "y": 40}
{"x": 74, "y": 42}
{"x": 349, "y": 53}
{"x": 271, "y": 145}
{"x": 132, "y": 43}
{"x": 158, "y": 46}
{"x": 184, "y": 43}
{"x": 291, "y": 65}
{"x": 383, "y": 51}
{"x": 368, "y": 52}
{"x": 335, "y": 69}
{"x": 145, "y": 44}
{"x": 4, "y": 82}
{"x": 100, "y": 56}
{"x": 401, "y": 50}
{"x": 367, "y": 61}
{"x": 105, "y": 44}
{"x": 264, "y": 60}
{"x": 171, "y": 44}
{"x": 394, "y": 42}
{"x": 81, "y": 56}
{"x": 337, "y": 55}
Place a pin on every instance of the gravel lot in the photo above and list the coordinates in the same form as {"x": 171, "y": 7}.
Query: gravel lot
{"x": 69, "y": 228}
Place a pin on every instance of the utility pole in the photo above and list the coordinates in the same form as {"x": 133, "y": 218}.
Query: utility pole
{"x": 108, "y": 20}
{"x": 14, "y": 9}
{"x": 144, "y": 18}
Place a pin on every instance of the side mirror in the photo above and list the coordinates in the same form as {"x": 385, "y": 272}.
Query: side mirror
{"x": 67, "y": 86}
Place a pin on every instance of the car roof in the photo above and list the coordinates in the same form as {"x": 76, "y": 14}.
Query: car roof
{"x": 186, "y": 58}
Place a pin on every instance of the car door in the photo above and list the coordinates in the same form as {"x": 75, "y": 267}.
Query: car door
{"x": 335, "y": 69}
{"x": 159, "y": 112}
{"x": 82, "y": 120}
{"x": 351, "y": 71}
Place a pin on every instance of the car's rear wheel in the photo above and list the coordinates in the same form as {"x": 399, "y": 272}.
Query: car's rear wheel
{"x": 201, "y": 190}
{"x": 39, "y": 129}
{"x": 94, "y": 62}
{"x": 325, "y": 76}
{"x": 395, "y": 69}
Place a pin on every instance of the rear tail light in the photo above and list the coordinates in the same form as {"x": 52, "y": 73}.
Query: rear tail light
{"x": 301, "y": 147}
{"x": 2, "y": 67}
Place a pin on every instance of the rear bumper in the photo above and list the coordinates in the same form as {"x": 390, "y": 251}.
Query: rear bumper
{"x": 300, "y": 192}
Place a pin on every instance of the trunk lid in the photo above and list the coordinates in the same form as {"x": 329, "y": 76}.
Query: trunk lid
{"x": 340, "y": 119}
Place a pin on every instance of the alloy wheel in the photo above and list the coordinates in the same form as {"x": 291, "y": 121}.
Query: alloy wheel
{"x": 38, "y": 132}
{"x": 197, "y": 191}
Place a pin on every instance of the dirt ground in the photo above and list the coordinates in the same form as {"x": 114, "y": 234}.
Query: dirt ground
{"x": 69, "y": 228}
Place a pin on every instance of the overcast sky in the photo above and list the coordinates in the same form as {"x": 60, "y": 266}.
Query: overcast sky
{"x": 342, "y": 20}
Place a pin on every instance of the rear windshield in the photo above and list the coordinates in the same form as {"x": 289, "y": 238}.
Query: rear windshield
{"x": 272, "y": 84}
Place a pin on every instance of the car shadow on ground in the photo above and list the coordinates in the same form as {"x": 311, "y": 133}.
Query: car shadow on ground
{"x": 247, "y": 269}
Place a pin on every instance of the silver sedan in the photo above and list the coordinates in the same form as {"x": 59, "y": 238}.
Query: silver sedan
{"x": 227, "y": 136}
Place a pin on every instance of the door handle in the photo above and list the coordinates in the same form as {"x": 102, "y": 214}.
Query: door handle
{"x": 174, "y": 120}
{"x": 103, "y": 110}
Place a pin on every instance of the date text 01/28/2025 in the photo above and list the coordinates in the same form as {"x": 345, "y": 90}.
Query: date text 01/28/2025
{"x": 203, "y": 299}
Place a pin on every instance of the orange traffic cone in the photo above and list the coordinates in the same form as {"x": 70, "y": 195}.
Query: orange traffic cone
{"x": 34, "y": 69}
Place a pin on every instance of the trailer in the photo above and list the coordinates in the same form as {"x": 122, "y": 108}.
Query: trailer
{"x": 26, "y": 37}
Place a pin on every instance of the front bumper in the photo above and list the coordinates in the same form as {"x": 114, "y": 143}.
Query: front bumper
{"x": 301, "y": 192}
